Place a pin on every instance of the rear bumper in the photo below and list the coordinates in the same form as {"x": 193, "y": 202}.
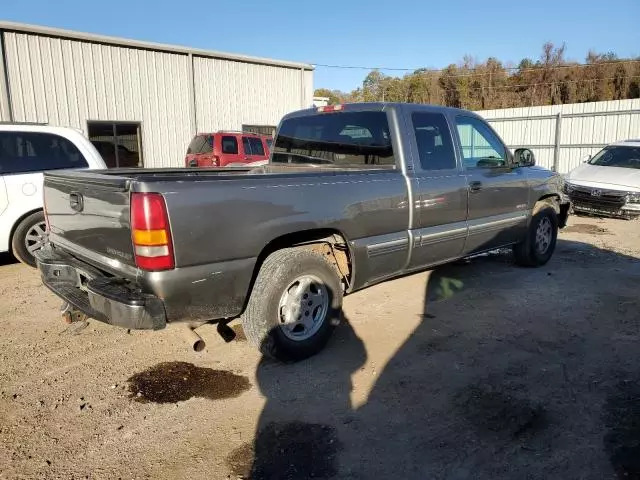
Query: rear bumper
{"x": 103, "y": 298}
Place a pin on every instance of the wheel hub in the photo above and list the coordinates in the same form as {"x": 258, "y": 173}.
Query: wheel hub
{"x": 544, "y": 234}
{"x": 303, "y": 307}
{"x": 35, "y": 237}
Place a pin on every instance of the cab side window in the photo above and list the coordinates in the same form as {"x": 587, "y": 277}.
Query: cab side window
{"x": 481, "y": 148}
{"x": 23, "y": 152}
{"x": 256, "y": 146}
{"x": 433, "y": 138}
{"x": 230, "y": 145}
{"x": 246, "y": 145}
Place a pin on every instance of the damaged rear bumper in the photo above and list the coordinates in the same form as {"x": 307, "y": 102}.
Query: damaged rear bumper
{"x": 106, "y": 299}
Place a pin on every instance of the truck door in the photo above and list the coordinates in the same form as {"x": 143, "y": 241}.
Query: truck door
{"x": 498, "y": 193}
{"x": 440, "y": 197}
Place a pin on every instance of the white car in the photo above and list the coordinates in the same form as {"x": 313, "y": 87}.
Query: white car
{"x": 608, "y": 183}
{"x": 27, "y": 150}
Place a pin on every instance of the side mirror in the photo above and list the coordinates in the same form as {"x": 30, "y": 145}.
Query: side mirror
{"x": 586, "y": 159}
{"x": 524, "y": 157}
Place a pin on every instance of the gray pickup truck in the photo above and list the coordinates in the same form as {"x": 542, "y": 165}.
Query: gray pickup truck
{"x": 353, "y": 195}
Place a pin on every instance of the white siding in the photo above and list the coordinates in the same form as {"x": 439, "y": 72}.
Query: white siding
{"x": 67, "y": 82}
{"x": 230, "y": 94}
{"x": 592, "y": 130}
{"x": 5, "y": 114}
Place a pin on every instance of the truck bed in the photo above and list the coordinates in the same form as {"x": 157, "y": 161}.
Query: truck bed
{"x": 117, "y": 176}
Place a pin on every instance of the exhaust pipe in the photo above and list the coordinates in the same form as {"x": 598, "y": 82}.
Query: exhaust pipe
{"x": 195, "y": 340}
{"x": 70, "y": 314}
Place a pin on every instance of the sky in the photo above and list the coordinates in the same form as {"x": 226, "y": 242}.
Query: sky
{"x": 371, "y": 33}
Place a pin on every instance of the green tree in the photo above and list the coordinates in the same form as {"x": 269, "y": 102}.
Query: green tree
{"x": 551, "y": 79}
{"x": 335, "y": 96}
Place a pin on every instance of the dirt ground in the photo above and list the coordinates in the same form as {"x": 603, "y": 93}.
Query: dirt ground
{"x": 478, "y": 370}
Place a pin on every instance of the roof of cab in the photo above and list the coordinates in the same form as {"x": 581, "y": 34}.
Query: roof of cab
{"x": 633, "y": 142}
{"x": 381, "y": 106}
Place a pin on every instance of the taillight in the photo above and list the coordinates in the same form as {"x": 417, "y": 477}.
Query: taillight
{"x": 330, "y": 108}
{"x": 150, "y": 232}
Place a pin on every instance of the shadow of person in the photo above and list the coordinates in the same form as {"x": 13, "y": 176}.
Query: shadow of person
{"x": 307, "y": 403}
{"x": 507, "y": 374}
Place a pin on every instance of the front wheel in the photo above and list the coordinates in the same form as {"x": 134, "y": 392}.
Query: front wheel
{"x": 295, "y": 303}
{"x": 29, "y": 236}
{"x": 540, "y": 243}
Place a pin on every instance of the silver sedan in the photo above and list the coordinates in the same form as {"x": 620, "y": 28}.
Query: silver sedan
{"x": 608, "y": 183}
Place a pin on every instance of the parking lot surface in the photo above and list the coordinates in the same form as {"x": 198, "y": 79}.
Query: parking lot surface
{"x": 475, "y": 370}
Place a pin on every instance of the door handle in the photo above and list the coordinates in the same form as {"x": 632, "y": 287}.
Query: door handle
{"x": 76, "y": 202}
{"x": 475, "y": 186}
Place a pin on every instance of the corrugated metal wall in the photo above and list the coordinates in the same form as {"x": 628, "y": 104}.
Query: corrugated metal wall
{"x": 5, "y": 115}
{"x": 232, "y": 94}
{"x": 584, "y": 129}
{"x": 68, "y": 82}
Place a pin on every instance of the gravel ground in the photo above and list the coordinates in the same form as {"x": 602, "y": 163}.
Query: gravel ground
{"x": 477, "y": 370}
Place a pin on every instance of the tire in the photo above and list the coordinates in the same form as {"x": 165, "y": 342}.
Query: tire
{"x": 532, "y": 253}
{"x": 22, "y": 246}
{"x": 278, "y": 318}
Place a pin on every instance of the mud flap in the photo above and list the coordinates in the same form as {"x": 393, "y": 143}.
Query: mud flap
{"x": 564, "y": 214}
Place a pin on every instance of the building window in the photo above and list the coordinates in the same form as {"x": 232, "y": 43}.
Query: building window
{"x": 268, "y": 130}
{"x": 119, "y": 143}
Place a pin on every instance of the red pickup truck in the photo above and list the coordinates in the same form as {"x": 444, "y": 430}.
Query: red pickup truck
{"x": 222, "y": 149}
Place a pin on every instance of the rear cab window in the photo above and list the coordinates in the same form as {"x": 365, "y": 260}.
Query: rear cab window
{"x": 23, "y": 152}
{"x": 340, "y": 139}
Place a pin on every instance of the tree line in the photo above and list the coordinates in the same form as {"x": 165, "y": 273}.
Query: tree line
{"x": 472, "y": 85}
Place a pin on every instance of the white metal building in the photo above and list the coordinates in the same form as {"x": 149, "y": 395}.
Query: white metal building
{"x": 151, "y": 97}
{"x": 562, "y": 135}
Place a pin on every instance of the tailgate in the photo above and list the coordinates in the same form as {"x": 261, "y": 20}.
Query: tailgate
{"x": 91, "y": 211}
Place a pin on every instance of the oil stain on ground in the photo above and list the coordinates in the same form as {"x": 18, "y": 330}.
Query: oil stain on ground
{"x": 586, "y": 229}
{"x": 171, "y": 382}
{"x": 621, "y": 415}
{"x": 495, "y": 411}
{"x": 288, "y": 451}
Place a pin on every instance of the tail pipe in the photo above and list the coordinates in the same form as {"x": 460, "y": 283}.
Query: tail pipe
{"x": 195, "y": 340}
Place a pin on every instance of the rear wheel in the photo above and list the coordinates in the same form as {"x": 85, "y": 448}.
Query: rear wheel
{"x": 29, "y": 237}
{"x": 540, "y": 243}
{"x": 295, "y": 303}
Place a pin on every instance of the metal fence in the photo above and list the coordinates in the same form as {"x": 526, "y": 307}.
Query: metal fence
{"x": 562, "y": 135}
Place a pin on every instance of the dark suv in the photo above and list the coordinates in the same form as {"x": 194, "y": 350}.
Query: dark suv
{"x": 222, "y": 149}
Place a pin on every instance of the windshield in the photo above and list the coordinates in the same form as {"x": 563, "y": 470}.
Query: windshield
{"x": 625, "y": 157}
{"x": 343, "y": 139}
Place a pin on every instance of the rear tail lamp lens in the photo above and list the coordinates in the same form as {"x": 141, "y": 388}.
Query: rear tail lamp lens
{"x": 150, "y": 232}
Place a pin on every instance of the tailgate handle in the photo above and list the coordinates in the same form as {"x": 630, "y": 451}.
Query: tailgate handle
{"x": 76, "y": 201}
